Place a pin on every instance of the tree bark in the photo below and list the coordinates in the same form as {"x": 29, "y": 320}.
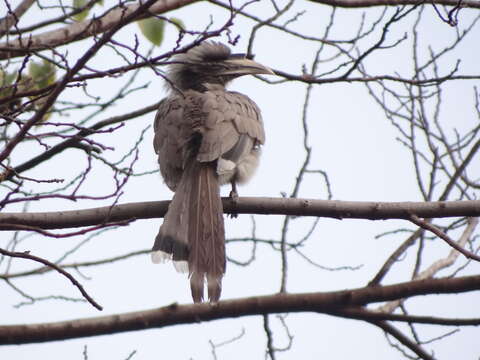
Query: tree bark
{"x": 248, "y": 205}
{"x": 327, "y": 302}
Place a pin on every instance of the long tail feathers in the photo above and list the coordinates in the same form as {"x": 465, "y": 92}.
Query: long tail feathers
{"x": 193, "y": 230}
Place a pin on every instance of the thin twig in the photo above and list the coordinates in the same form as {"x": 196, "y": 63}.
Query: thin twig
{"x": 27, "y": 255}
{"x": 397, "y": 334}
{"x": 427, "y": 226}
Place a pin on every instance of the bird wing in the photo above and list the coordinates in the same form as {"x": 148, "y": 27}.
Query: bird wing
{"x": 229, "y": 116}
{"x": 171, "y": 135}
{"x": 208, "y": 124}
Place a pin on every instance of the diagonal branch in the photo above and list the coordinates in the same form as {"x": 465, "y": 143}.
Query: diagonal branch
{"x": 80, "y": 63}
{"x": 397, "y": 334}
{"x": 438, "y": 265}
{"x": 393, "y": 258}
{"x": 84, "y": 29}
{"x": 361, "y": 313}
{"x": 76, "y": 265}
{"x": 74, "y": 140}
{"x": 12, "y": 18}
{"x": 26, "y": 255}
{"x": 430, "y": 227}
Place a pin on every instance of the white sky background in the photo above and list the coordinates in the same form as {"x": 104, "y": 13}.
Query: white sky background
{"x": 351, "y": 139}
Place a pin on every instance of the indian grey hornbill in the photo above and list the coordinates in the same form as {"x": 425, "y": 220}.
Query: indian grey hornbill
{"x": 205, "y": 136}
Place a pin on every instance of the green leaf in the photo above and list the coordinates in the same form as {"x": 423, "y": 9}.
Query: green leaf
{"x": 6, "y": 78}
{"x": 152, "y": 28}
{"x": 77, "y": 4}
{"x": 178, "y": 22}
{"x": 35, "y": 70}
{"x": 43, "y": 74}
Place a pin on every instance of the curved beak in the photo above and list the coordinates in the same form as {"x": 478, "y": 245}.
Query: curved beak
{"x": 245, "y": 66}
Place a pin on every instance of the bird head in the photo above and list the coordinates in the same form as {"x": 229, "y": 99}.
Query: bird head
{"x": 211, "y": 65}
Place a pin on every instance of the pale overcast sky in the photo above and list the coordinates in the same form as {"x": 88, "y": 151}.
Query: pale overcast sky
{"x": 351, "y": 140}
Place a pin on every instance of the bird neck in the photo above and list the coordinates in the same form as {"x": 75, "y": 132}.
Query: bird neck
{"x": 198, "y": 86}
{"x": 213, "y": 86}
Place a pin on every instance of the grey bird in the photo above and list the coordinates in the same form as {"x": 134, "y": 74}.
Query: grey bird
{"x": 205, "y": 136}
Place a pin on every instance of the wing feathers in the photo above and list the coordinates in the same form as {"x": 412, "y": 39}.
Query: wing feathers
{"x": 228, "y": 115}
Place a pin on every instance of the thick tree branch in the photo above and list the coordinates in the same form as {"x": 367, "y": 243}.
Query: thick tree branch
{"x": 369, "y": 3}
{"x": 90, "y": 27}
{"x": 183, "y": 314}
{"x": 81, "y": 62}
{"x": 84, "y": 29}
{"x": 12, "y": 17}
{"x": 249, "y": 205}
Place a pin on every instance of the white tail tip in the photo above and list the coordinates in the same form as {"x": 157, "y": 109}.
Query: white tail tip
{"x": 159, "y": 257}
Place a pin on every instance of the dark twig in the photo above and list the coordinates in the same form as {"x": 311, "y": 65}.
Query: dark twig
{"x": 75, "y": 265}
{"x": 19, "y": 227}
{"x": 394, "y": 257}
{"x": 27, "y": 255}
{"x": 361, "y": 313}
{"x": 428, "y": 226}
{"x": 268, "y": 332}
{"x": 397, "y": 334}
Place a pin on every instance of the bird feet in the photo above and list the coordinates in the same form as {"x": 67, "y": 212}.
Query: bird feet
{"x": 234, "y": 198}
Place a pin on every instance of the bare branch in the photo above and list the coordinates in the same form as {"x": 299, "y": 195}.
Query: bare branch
{"x": 76, "y": 265}
{"x": 368, "y": 3}
{"x": 268, "y": 332}
{"x": 27, "y": 255}
{"x": 137, "y": 11}
{"x": 75, "y": 140}
{"x": 437, "y": 265}
{"x": 182, "y": 314}
{"x": 249, "y": 205}
{"x": 394, "y": 257}
{"x": 12, "y": 17}
{"x": 84, "y": 29}
{"x": 19, "y": 227}
{"x": 427, "y": 226}
{"x": 397, "y": 334}
{"x": 361, "y": 313}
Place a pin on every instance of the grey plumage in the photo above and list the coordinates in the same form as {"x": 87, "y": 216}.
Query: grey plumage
{"x": 205, "y": 136}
